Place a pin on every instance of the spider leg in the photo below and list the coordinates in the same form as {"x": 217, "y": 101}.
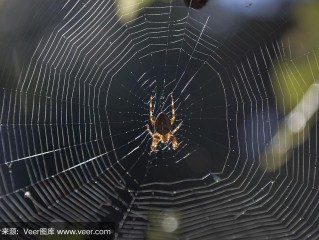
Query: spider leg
{"x": 151, "y": 112}
{"x": 156, "y": 139}
{"x": 173, "y": 111}
{"x": 174, "y": 142}
{"x": 177, "y": 128}
{"x": 148, "y": 129}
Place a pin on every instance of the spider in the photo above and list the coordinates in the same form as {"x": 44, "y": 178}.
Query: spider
{"x": 163, "y": 126}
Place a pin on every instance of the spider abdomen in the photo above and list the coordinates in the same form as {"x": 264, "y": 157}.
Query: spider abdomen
{"x": 163, "y": 124}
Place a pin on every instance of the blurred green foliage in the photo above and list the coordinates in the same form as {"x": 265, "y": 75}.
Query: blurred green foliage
{"x": 129, "y": 10}
{"x": 293, "y": 75}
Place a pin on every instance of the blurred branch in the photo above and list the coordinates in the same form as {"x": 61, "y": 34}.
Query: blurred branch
{"x": 292, "y": 131}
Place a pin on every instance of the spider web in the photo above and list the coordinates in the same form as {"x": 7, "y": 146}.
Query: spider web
{"x": 75, "y": 102}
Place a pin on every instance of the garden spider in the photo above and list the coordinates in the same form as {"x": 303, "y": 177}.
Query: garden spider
{"x": 163, "y": 126}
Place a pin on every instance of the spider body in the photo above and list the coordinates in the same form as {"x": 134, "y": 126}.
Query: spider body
{"x": 163, "y": 128}
{"x": 162, "y": 124}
